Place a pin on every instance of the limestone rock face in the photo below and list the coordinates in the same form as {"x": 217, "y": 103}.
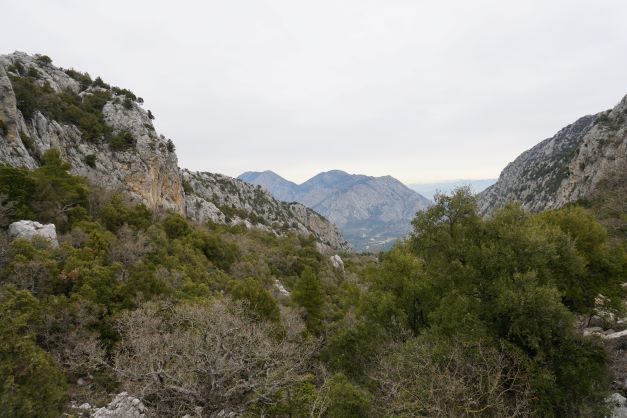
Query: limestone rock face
{"x": 223, "y": 199}
{"x": 337, "y": 262}
{"x": 148, "y": 171}
{"x": 30, "y": 229}
{"x": 566, "y": 167}
{"x": 145, "y": 167}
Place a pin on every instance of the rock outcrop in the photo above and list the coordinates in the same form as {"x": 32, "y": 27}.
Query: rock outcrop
{"x": 566, "y": 167}
{"x": 108, "y": 138}
{"x": 618, "y": 405}
{"x": 223, "y": 199}
{"x": 147, "y": 171}
{"x": 371, "y": 212}
{"x": 31, "y": 229}
{"x": 122, "y": 406}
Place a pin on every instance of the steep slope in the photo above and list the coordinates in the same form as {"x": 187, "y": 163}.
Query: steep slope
{"x": 144, "y": 165}
{"x": 223, "y": 199}
{"x": 566, "y": 167}
{"x": 372, "y": 212}
{"x": 108, "y": 138}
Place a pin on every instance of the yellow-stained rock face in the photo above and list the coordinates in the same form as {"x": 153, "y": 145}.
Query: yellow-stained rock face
{"x": 147, "y": 170}
{"x": 132, "y": 158}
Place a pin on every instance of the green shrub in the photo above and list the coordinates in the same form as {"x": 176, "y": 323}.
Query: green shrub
{"x": 259, "y": 301}
{"x": 175, "y": 225}
{"x": 31, "y": 385}
{"x": 83, "y": 78}
{"x": 29, "y": 144}
{"x": 347, "y": 400}
{"x": 122, "y": 141}
{"x": 44, "y": 60}
{"x": 90, "y": 160}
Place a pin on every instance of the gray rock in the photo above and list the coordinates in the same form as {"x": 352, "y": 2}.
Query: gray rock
{"x": 593, "y": 331}
{"x": 30, "y": 229}
{"x": 223, "y": 199}
{"x": 122, "y": 406}
{"x": 618, "y": 405}
{"x": 147, "y": 172}
{"x": 337, "y": 262}
{"x": 566, "y": 167}
{"x": 280, "y": 288}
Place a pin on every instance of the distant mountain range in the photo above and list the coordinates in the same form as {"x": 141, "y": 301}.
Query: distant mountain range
{"x": 430, "y": 189}
{"x": 371, "y": 212}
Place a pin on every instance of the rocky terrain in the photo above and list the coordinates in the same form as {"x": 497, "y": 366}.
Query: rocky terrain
{"x": 223, "y": 199}
{"x": 371, "y": 212}
{"x": 567, "y": 167}
{"x": 108, "y": 137}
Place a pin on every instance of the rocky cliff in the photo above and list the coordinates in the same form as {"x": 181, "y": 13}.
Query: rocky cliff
{"x": 108, "y": 137}
{"x": 567, "y": 167}
{"x": 372, "y": 212}
{"x": 52, "y": 99}
{"x": 223, "y": 199}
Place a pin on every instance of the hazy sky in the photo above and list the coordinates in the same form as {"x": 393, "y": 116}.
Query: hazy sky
{"x": 420, "y": 90}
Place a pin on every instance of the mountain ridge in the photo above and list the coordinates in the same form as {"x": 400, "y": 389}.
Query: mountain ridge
{"x": 565, "y": 168}
{"x": 109, "y": 139}
{"x": 371, "y": 211}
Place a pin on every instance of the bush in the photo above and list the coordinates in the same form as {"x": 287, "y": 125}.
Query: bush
{"x": 175, "y": 225}
{"x": 258, "y": 301}
{"x": 31, "y": 385}
{"x": 90, "y": 160}
{"x": 28, "y": 143}
{"x": 44, "y": 60}
{"x": 347, "y": 400}
{"x": 123, "y": 141}
{"x": 83, "y": 78}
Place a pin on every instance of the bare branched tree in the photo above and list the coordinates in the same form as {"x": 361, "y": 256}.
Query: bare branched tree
{"x": 454, "y": 379}
{"x": 180, "y": 358}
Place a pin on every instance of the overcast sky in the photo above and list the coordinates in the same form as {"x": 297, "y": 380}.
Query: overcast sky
{"x": 420, "y": 90}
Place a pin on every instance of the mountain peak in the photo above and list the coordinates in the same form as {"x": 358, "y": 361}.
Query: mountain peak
{"x": 372, "y": 212}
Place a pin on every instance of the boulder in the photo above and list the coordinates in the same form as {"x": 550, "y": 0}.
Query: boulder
{"x": 122, "y": 406}
{"x": 618, "y": 405}
{"x": 337, "y": 262}
{"x": 280, "y": 288}
{"x": 30, "y": 229}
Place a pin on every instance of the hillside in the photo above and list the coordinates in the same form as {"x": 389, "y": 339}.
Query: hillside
{"x": 108, "y": 138}
{"x": 131, "y": 288}
{"x": 371, "y": 212}
{"x": 568, "y": 167}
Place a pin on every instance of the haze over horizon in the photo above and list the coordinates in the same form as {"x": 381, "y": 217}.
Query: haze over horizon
{"x": 421, "y": 92}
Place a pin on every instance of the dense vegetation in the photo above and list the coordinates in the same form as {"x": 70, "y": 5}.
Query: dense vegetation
{"x": 469, "y": 316}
